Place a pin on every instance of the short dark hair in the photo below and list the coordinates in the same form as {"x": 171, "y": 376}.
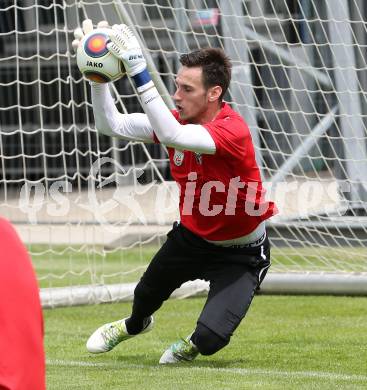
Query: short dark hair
{"x": 215, "y": 64}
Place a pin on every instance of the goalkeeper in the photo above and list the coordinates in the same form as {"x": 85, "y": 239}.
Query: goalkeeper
{"x": 221, "y": 236}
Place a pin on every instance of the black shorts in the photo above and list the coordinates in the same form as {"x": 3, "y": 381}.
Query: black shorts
{"x": 234, "y": 275}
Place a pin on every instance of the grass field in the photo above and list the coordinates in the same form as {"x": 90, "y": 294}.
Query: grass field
{"x": 67, "y": 266}
{"x": 285, "y": 342}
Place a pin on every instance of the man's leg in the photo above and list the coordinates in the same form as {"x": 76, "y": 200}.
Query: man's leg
{"x": 228, "y": 301}
{"x": 232, "y": 287}
{"x": 231, "y": 292}
{"x": 166, "y": 272}
{"x": 169, "y": 268}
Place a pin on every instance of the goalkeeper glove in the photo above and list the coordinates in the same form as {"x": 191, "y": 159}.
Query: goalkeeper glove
{"x": 125, "y": 46}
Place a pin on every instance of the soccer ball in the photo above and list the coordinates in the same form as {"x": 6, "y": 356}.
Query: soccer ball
{"x": 95, "y": 61}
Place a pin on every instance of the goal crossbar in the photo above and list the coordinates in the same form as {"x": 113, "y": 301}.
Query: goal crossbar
{"x": 291, "y": 283}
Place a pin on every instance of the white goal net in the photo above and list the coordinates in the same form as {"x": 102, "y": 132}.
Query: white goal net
{"x": 92, "y": 210}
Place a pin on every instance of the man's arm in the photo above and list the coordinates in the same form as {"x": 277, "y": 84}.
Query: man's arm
{"x": 170, "y": 132}
{"x": 125, "y": 46}
{"x": 110, "y": 121}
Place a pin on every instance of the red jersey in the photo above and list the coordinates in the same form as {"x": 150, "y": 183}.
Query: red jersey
{"x": 22, "y": 359}
{"x": 221, "y": 195}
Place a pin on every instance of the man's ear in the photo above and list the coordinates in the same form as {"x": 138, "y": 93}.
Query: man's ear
{"x": 214, "y": 93}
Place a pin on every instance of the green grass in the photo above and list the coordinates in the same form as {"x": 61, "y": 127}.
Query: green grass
{"x": 313, "y": 258}
{"x": 68, "y": 266}
{"x": 285, "y": 342}
{"x": 60, "y": 266}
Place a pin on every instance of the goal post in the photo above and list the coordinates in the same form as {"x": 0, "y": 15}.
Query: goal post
{"x": 93, "y": 209}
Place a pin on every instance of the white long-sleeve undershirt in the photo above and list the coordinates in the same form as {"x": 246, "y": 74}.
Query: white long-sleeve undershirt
{"x": 140, "y": 127}
{"x": 169, "y": 131}
{"x": 110, "y": 121}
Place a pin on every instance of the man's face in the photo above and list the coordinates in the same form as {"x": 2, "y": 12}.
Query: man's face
{"x": 191, "y": 97}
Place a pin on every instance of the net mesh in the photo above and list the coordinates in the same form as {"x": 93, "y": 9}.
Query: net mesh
{"x": 93, "y": 209}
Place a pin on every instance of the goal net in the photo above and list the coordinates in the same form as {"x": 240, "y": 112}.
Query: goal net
{"x": 93, "y": 209}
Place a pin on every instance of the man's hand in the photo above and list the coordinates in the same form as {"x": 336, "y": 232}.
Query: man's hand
{"x": 125, "y": 46}
{"x": 87, "y": 27}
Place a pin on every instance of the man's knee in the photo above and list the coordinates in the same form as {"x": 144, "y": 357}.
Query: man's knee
{"x": 148, "y": 293}
{"x": 207, "y": 341}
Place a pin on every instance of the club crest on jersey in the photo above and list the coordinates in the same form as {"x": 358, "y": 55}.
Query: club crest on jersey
{"x": 178, "y": 157}
{"x": 199, "y": 158}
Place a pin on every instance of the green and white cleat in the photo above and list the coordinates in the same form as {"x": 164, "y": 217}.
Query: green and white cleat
{"x": 109, "y": 335}
{"x": 183, "y": 350}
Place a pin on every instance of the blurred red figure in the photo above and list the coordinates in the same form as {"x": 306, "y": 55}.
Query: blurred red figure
{"x": 22, "y": 358}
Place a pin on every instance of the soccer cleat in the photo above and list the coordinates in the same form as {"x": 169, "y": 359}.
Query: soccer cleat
{"x": 109, "y": 335}
{"x": 183, "y": 350}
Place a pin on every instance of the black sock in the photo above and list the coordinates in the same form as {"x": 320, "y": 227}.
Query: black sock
{"x": 135, "y": 325}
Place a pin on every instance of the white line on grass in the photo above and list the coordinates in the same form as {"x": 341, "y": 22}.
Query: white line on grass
{"x": 239, "y": 371}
